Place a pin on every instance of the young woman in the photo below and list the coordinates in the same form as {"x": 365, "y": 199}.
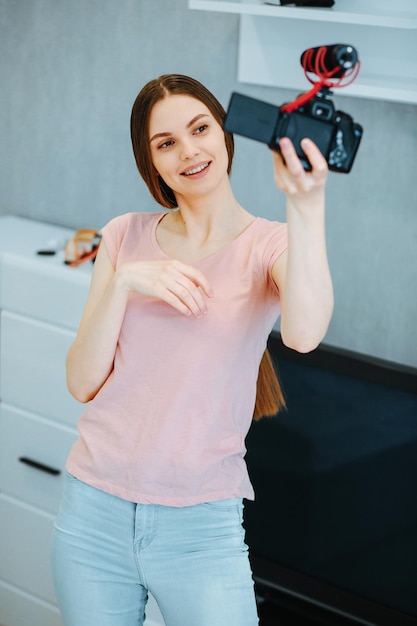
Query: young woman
{"x": 167, "y": 355}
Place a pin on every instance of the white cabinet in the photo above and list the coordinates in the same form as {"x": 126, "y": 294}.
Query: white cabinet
{"x": 33, "y": 367}
{"x": 32, "y": 453}
{"x": 24, "y": 555}
{"x": 41, "y": 301}
{"x": 272, "y": 38}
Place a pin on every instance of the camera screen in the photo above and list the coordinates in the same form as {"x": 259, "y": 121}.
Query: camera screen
{"x": 297, "y": 126}
{"x": 251, "y": 118}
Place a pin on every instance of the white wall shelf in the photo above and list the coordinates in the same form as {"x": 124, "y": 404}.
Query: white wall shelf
{"x": 383, "y": 32}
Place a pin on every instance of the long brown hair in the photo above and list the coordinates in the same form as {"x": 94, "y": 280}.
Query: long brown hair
{"x": 269, "y": 397}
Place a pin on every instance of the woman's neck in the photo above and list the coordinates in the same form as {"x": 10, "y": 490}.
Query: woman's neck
{"x": 217, "y": 215}
{"x": 200, "y": 228}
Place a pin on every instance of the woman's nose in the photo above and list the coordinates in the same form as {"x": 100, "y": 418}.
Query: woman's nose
{"x": 188, "y": 149}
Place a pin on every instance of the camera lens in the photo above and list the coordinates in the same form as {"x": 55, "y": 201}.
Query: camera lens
{"x": 322, "y": 110}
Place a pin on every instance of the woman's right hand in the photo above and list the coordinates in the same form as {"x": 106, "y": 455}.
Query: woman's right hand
{"x": 180, "y": 285}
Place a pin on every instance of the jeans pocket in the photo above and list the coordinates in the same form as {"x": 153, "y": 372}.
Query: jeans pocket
{"x": 228, "y": 504}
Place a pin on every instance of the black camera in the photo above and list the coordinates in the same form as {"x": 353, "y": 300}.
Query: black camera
{"x": 311, "y": 115}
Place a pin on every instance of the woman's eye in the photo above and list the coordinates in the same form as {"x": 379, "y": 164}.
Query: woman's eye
{"x": 166, "y": 144}
{"x": 201, "y": 129}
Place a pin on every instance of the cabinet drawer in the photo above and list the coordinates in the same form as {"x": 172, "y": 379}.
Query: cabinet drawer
{"x": 32, "y": 372}
{"x": 43, "y": 290}
{"x": 20, "y": 609}
{"x": 32, "y": 458}
{"x": 25, "y": 549}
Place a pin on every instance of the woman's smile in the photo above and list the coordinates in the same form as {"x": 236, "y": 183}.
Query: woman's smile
{"x": 197, "y": 171}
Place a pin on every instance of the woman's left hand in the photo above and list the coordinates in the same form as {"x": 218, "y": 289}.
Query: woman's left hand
{"x": 290, "y": 175}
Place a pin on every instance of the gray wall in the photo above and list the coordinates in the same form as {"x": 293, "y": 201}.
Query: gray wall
{"x": 70, "y": 70}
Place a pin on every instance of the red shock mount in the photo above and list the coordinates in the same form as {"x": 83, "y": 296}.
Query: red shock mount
{"x": 324, "y": 78}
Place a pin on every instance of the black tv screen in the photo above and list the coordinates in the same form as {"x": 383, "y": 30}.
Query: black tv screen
{"x": 334, "y": 522}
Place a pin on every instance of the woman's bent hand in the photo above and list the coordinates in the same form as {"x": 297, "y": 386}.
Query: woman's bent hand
{"x": 182, "y": 286}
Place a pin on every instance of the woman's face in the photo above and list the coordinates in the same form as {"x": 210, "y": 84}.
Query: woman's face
{"x": 187, "y": 146}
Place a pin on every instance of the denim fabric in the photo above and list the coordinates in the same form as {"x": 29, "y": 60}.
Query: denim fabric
{"x": 107, "y": 553}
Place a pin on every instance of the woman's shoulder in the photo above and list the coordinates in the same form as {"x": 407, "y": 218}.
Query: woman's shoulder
{"x": 265, "y": 229}
{"x": 266, "y": 225}
{"x": 131, "y": 220}
{"x": 122, "y": 234}
{"x": 269, "y": 241}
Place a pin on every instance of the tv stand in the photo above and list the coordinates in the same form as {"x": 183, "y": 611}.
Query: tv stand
{"x": 275, "y": 607}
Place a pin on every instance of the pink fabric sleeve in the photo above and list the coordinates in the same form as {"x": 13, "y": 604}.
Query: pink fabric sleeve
{"x": 275, "y": 246}
{"x": 113, "y": 234}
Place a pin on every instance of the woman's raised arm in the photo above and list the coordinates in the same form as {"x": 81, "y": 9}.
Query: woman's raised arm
{"x": 302, "y": 273}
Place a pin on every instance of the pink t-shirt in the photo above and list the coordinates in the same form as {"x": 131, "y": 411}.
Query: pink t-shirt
{"x": 169, "y": 425}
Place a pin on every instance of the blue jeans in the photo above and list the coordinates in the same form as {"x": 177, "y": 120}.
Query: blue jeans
{"x": 107, "y": 553}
